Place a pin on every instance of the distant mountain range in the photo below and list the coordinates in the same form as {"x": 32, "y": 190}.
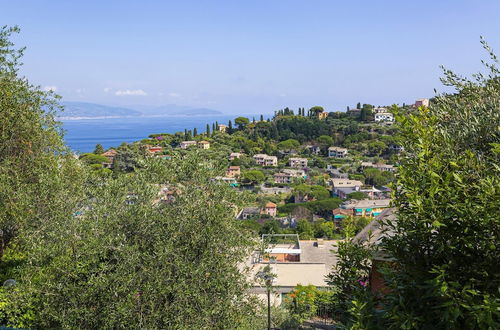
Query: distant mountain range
{"x": 84, "y": 110}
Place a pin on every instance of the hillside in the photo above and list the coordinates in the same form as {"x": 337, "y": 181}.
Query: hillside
{"x": 85, "y": 110}
{"x": 93, "y": 110}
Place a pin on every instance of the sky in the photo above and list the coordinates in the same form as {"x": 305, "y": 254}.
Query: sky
{"x": 249, "y": 56}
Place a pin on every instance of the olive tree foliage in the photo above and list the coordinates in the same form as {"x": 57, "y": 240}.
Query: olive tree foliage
{"x": 132, "y": 260}
{"x": 445, "y": 239}
{"x": 36, "y": 172}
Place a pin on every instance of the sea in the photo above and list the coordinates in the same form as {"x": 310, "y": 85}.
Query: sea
{"x": 81, "y": 135}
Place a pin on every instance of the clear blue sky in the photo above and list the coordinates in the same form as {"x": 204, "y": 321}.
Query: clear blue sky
{"x": 250, "y": 56}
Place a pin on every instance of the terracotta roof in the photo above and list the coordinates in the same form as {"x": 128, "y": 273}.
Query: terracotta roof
{"x": 111, "y": 152}
{"x": 342, "y": 211}
{"x": 270, "y": 205}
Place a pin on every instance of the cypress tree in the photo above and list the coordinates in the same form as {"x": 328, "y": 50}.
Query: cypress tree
{"x": 195, "y": 131}
{"x": 261, "y": 118}
{"x": 358, "y": 106}
{"x": 230, "y": 127}
{"x": 207, "y": 130}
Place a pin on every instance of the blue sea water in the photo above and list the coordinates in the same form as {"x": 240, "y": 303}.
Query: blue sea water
{"x": 82, "y": 135}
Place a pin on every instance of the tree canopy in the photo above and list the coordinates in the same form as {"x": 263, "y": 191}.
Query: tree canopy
{"x": 241, "y": 122}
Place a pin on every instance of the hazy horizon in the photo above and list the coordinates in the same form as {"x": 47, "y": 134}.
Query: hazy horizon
{"x": 253, "y": 57}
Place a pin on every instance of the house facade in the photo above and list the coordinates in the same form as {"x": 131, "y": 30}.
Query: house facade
{"x": 110, "y": 155}
{"x": 270, "y": 209}
{"x": 287, "y": 175}
{"x": 234, "y": 155}
{"x": 343, "y": 187}
{"x": 233, "y": 171}
{"x": 384, "y": 117}
{"x": 422, "y": 103}
{"x": 187, "y": 144}
{"x": 265, "y": 160}
{"x": 380, "y": 110}
{"x": 204, "y": 144}
{"x": 337, "y": 152}
{"x": 283, "y": 178}
{"x": 315, "y": 150}
{"x": 154, "y": 150}
{"x": 298, "y": 162}
{"x": 368, "y": 207}
{"x": 381, "y": 167}
{"x": 322, "y": 115}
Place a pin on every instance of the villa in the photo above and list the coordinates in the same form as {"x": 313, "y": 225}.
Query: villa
{"x": 384, "y": 117}
{"x": 154, "y": 150}
{"x": 322, "y": 115}
{"x": 298, "y": 162}
{"x": 270, "y": 209}
{"x": 265, "y": 160}
{"x": 187, "y": 144}
{"x": 222, "y": 128}
{"x": 282, "y": 178}
{"x": 234, "y": 155}
{"x": 110, "y": 155}
{"x": 337, "y": 152}
{"x": 421, "y": 103}
{"x": 367, "y": 207}
{"x": 233, "y": 171}
{"x": 381, "y": 167}
{"x": 204, "y": 144}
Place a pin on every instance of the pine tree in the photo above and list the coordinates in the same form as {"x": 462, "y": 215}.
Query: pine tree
{"x": 98, "y": 149}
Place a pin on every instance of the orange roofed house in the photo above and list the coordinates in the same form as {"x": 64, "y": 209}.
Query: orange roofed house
{"x": 233, "y": 171}
{"x": 110, "y": 155}
{"x": 270, "y": 209}
{"x": 154, "y": 150}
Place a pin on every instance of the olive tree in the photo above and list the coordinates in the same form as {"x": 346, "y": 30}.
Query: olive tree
{"x": 133, "y": 260}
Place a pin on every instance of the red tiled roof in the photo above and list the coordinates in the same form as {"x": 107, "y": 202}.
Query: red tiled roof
{"x": 111, "y": 152}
